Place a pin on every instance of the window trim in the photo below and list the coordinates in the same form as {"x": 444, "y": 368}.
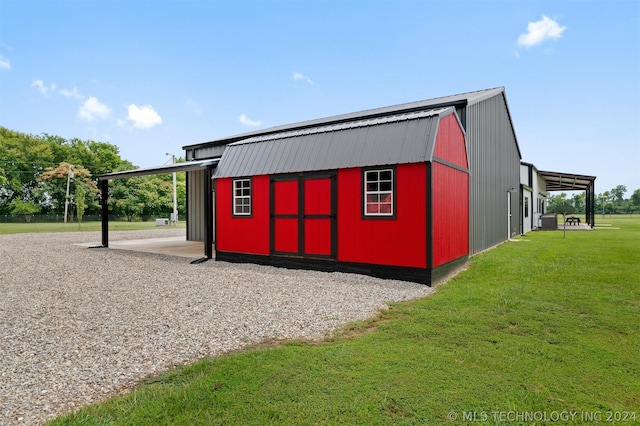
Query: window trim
{"x": 364, "y": 193}
{"x": 235, "y": 197}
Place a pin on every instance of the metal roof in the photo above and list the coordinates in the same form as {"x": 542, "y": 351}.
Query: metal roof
{"x": 391, "y": 139}
{"x": 170, "y": 168}
{"x": 460, "y": 100}
{"x": 557, "y": 181}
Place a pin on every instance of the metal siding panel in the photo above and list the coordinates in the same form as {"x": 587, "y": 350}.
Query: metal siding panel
{"x": 494, "y": 166}
{"x": 195, "y": 198}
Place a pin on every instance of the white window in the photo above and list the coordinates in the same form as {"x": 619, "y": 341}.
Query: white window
{"x": 378, "y": 192}
{"x": 242, "y": 197}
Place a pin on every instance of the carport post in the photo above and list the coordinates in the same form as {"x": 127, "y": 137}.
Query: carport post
{"x": 105, "y": 212}
{"x": 208, "y": 212}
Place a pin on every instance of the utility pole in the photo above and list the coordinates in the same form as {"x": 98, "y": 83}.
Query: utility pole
{"x": 66, "y": 198}
{"x": 174, "y": 215}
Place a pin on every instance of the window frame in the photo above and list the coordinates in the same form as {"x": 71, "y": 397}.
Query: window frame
{"x": 235, "y": 198}
{"x": 364, "y": 192}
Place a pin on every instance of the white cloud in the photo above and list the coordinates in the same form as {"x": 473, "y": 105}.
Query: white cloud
{"x": 73, "y": 93}
{"x": 4, "y": 63}
{"x": 44, "y": 89}
{"x": 541, "y": 31}
{"x": 143, "y": 117}
{"x": 248, "y": 122}
{"x": 301, "y": 77}
{"x": 92, "y": 109}
{"x": 194, "y": 105}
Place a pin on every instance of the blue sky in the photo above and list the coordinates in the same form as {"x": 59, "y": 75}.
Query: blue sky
{"x": 153, "y": 76}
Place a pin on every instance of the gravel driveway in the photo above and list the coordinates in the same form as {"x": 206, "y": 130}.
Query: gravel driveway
{"x": 78, "y": 325}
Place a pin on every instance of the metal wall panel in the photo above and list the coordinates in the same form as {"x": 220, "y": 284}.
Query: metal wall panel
{"x": 494, "y": 165}
{"x": 205, "y": 152}
{"x": 195, "y": 206}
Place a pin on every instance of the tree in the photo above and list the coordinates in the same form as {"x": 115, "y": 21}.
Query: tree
{"x": 635, "y": 201}
{"x": 556, "y": 200}
{"x": 578, "y": 202}
{"x": 22, "y": 159}
{"x": 618, "y": 193}
{"x": 80, "y": 200}
{"x": 26, "y": 208}
{"x": 55, "y": 185}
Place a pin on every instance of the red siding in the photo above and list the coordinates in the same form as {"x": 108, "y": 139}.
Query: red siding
{"x": 450, "y": 211}
{"x": 398, "y": 242}
{"x": 450, "y": 145}
{"x": 243, "y": 234}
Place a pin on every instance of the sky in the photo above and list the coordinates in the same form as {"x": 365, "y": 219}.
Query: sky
{"x": 153, "y": 76}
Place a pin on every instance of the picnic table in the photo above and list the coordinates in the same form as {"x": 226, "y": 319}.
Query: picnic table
{"x": 572, "y": 220}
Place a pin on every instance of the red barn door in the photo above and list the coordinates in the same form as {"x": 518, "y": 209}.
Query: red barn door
{"x": 303, "y": 219}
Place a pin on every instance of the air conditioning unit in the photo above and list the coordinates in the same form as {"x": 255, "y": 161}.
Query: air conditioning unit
{"x": 162, "y": 222}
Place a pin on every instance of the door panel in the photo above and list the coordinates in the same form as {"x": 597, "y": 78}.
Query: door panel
{"x": 285, "y": 197}
{"x": 317, "y": 237}
{"x": 318, "y": 208}
{"x": 303, "y": 218}
{"x": 285, "y": 232}
{"x": 317, "y": 198}
{"x": 284, "y": 220}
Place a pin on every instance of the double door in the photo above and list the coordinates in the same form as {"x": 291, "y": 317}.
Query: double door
{"x": 303, "y": 215}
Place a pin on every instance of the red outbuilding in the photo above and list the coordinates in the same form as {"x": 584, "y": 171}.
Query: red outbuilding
{"x": 385, "y": 196}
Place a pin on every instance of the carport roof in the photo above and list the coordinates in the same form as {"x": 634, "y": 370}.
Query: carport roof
{"x": 170, "y": 168}
{"x": 557, "y": 181}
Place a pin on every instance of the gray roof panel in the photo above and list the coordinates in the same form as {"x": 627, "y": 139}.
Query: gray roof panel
{"x": 462, "y": 99}
{"x": 398, "y": 139}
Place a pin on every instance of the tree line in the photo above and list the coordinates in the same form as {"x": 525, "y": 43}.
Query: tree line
{"x": 607, "y": 202}
{"x": 35, "y": 171}
{"x": 42, "y": 174}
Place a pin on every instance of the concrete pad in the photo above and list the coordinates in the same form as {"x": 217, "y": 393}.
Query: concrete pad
{"x": 581, "y": 227}
{"x": 172, "y": 246}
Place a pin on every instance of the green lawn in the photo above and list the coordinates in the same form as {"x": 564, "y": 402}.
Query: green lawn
{"x": 544, "y": 328}
{"x": 21, "y": 228}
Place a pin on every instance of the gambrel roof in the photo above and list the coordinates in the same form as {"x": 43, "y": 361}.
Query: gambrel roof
{"x": 384, "y": 140}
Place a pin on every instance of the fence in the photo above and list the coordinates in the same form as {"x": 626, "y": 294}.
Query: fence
{"x": 46, "y": 218}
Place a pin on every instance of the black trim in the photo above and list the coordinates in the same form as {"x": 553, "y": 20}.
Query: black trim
{"x": 301, "y": 223}
{"x": 417, "y": 275}
{"x": 442, "y": 271}
{"x": 450, "y": 164}
{"x": 233, "y": 200}
{"x": 105, "y": 212}
{"x": 186, "y": 203}
{"x": 208, "y": 212}
{"x": 429, "y": 212}
{"x": 363, "y": 184}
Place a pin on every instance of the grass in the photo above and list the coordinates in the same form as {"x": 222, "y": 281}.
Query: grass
{"x": 541, "y": 326}
{"x": 23, "y": 227}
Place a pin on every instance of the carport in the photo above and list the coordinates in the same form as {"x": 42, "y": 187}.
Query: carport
{"x": 557, "y": 181}
{"x": 207, "y": 166}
